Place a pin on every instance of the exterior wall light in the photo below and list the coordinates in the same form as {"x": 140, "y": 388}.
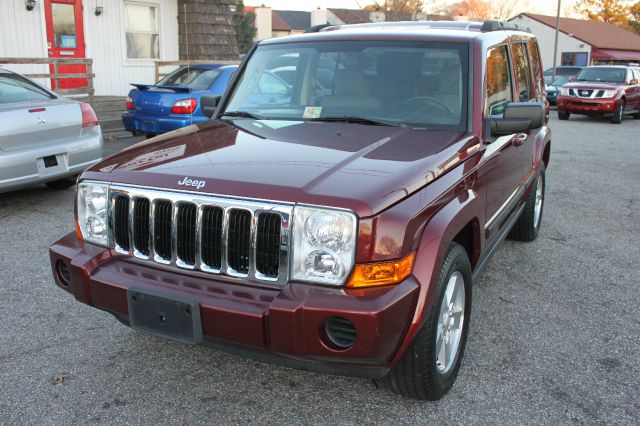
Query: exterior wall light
{"x": 30, "y": 4}
{"x": 99, "y": 10}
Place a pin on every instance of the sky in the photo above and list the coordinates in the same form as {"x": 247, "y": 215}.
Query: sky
{"x": 546, "y": 7}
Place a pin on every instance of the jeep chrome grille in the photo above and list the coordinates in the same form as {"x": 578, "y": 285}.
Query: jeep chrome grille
{"x": 228, "y": 237}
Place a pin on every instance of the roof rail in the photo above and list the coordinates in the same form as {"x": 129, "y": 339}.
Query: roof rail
{"x": 453, "y": 25}
{"x": 489, "y": 26}
{"x": 317, "y": 28}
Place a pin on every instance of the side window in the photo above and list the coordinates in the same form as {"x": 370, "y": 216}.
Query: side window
{"x": 522, "y": 72}
{"x": 498, "y": 81}
{"x": 629, "y": 75}
{"x": 536, "y": 67}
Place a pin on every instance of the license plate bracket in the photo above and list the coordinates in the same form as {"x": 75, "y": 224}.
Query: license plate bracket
{"x": 175, "y": 317}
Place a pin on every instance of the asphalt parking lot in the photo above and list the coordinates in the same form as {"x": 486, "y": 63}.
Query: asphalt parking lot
{"x": 553, "y": 339}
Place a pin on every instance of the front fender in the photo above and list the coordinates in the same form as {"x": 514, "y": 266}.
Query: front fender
{"x": 436, "y": 237}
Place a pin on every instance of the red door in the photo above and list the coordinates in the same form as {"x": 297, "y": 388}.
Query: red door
{"x": 65, "y": 39}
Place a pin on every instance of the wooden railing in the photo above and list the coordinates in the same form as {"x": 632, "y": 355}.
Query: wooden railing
{"x": 56, "y": 75}
{"x": 160, "y": 64}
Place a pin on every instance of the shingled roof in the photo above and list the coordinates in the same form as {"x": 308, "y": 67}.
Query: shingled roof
{"x": 295, "y": 19}
{"x": 600, "y": 35}
{"x": 351, "y": 16}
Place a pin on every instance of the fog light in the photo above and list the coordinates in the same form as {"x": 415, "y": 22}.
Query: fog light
{"x": 63, "y": 273}
{"x": 339, "y": 333}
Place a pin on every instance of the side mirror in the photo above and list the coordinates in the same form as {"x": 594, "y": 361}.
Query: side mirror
{"x": 634, "y": 81}
{"x": 572, "y": 79}
{"x": 209, "y": 103}
{"x": 518, "y": 117}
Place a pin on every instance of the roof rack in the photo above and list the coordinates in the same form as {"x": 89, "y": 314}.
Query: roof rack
{"x": 489, "y": 26}
{"x": 484, "y": 27}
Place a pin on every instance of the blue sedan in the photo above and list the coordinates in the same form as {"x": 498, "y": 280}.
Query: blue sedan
{"x": 174, "y": 101}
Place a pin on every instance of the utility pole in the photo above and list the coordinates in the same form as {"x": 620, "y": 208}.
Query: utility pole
{"x": 555, "y": 46}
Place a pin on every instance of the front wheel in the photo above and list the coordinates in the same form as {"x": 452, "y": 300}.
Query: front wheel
{"x": 563, "y": 115}
{"x": 430, "y": 365}
{"x": 616, "y": 118}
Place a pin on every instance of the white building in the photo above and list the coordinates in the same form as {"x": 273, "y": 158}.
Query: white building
{"x": 581, "y": 42}
{"x": 124, "y": 38}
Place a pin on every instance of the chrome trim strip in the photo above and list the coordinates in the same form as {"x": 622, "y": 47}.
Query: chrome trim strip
{"x": 255, "y": 208}
{"x": 501, "y": 208}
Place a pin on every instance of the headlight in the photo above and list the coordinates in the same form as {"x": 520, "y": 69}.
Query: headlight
{"x": 608, "y": 93}
{"x": 324, "y": 245}
{"x": 564, "y": 92}
{"x": 92, "y": 212}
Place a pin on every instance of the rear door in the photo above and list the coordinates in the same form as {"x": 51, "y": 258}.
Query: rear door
{"x": 31, "y": 117}
{"x": 503, "y": 170}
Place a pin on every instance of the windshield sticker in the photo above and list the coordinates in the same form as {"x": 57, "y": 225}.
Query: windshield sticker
{"x": 312, "y": 112}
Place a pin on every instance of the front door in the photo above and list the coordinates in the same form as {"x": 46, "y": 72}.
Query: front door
{"x": 65, "y": 39}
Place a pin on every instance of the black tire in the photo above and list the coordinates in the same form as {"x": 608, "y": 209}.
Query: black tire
{"x": 616, "y": 118}
{"x": 62, "y": 183}
{"x": 637, "y": 115}
{"x": 563, "y": 115}
{"x": 526, "y": 228}
{"x": 416, "y": 374}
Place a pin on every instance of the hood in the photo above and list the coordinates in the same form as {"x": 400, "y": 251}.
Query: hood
{"x": 591, "y": 85}
{"x": 363, "y": 168}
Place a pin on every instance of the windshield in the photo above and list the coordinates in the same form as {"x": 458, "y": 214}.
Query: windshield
{"x": 560, "y": 80}
{"x": 193, "y": 78}
{"x": 609, "y": 75}
{"x": 414, "y": 84}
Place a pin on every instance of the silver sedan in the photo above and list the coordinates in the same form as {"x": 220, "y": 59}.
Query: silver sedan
{"x": 44, "y": 138}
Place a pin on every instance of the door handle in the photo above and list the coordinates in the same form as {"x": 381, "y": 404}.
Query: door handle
{"x": 520, "y": 139}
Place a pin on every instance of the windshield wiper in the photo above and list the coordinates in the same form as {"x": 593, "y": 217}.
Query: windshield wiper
{"x": 358, "y": 120}
{"x": 241, "y": 114}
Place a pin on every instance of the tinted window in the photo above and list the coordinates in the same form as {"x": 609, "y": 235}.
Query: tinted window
{"x": 16, "y": 89}
{"x": 608, "y": 74}
{"x": 419, "y": 85}
{"x": 498, "y": 81}
{"x": 522, "y": 72}
{"x": 194, "y": 78}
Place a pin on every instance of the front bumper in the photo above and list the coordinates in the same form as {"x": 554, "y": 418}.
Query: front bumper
{"x": 154, "y": 124}
{"x": 589, "y": 106}
{"x": 283, "y": 325}
{"x": 26, "y": 167}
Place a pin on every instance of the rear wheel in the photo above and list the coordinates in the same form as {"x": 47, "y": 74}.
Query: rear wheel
{"x": 430, "y": 365}
{"x": 616, "y": 118}
{"x": 64, "y": 183}
{"x": 637, "y": 115}
{"x": 563, "y": 115}
{"x": 528, "y": 225}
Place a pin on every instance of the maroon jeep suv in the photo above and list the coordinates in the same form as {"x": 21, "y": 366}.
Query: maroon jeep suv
{"x": 335, "y": 212}
{"x": 606, "y": 90}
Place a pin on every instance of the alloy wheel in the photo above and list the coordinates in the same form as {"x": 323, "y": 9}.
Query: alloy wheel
{"x": 450, "y": 323}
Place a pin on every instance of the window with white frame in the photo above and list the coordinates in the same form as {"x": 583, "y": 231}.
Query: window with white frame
{"x": 142, "y": 30}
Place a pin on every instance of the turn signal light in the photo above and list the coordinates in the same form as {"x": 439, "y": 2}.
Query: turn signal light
{"x": 383, "y": 273}
{"x": 184, "y": 106}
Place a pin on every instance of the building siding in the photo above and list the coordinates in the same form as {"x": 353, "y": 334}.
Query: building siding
{"x": 546, "y": 37}
{"x": 22, "y": 34}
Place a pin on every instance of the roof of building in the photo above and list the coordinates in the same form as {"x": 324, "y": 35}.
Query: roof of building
{"x": 277, "y": 23}
{"x": 600, "y": 35}
{"x": 351, "y": 16}
{"x": 297, "y": 20}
